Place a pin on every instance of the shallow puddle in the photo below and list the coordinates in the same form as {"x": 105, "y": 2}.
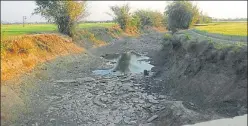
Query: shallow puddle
{"x": 129, "y": 62}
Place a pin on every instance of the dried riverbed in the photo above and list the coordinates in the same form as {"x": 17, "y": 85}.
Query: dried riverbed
{"x": 66, "y": 92}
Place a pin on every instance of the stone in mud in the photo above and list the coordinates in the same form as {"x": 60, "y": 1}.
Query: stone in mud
{"x": 103, "y": 81}
{"x": 146, "y": 73}
{"x": 85, "y": 79}
{"x": 66, "y": 81}
{"x": 155, "y": 109}
{"x": 127, "y": 87}
{"x": 128, "y": 79}
{"x": 125, "y": 107}
{"x": 152, "y": 118}
{"x": 162, "y": 97}
{"x": 147, "y": 124}
{"x": 117, "y": 119}
{"x": 137, "y": 100}
{"x": 104, "y": 99}
{"x": 97, "y": 102}
{"x": 129, "y": 121}
{"x": 151, "y": 99}
{"x": 146, "y": 105}
{"x": 111, "y": 124}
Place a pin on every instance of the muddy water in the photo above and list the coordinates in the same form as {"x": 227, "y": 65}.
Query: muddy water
{"x": 124, "y": 63}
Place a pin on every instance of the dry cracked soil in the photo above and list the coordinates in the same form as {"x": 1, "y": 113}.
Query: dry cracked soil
{"x": 65, "y": 92}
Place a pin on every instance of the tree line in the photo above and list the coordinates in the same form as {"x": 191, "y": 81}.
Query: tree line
{"x": 177, "y": 15}
{"x": 229, "y": 19}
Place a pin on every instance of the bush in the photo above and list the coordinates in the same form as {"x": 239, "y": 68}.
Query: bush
{"x": 122, "y": 15}
{"x": 167, "y": 37}
{"x": 65, "y": 14}
{"x": 188, "y": 37}
{"x": 150, "y": 18}
{"x": 180, "y": 15}
{"x": 135, "y": 22}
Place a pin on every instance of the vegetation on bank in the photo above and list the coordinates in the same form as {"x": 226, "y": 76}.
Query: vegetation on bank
{"x": 65, "y": 14}
{"x": 25, "y": 51}
{"x": 188, "y": 37}
{"x": 22, "y": 53}
{"x": 18, "y": 29}
{"x": 182, "y": 15}
{"x": 225, "y": 28}
{"x": 134, "y": 23}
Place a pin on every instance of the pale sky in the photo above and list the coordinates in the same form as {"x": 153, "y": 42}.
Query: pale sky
{"x": 12, "y": 11}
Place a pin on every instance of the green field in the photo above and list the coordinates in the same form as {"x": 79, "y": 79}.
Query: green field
{"x": 18, "y": 29}
{"x": 226, "y": 28}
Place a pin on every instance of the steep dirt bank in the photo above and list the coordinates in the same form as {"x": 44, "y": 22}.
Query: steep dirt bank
{"x": 96, "y": 37}
{"x": 21, "y": 54}
{"x": 24, "y": 54}
{"x": 206, "y": 78}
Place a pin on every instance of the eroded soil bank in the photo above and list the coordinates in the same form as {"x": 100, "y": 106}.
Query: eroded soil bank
{"x": 65, "y": 91}
{"x": 206, "y": 78}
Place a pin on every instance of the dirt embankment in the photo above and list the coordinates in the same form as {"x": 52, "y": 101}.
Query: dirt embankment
{"x": 21, "y": 54}
{"x": 210, "y": 79}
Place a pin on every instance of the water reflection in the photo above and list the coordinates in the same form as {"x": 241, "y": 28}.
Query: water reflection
{"x": 129, "y": 62}
{"x": 123, "y": 63}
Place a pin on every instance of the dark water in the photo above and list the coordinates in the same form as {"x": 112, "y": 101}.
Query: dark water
{"x": 129, "y": 62}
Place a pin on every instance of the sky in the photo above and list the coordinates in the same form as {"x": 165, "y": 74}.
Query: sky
{"x": 13, "y": 11}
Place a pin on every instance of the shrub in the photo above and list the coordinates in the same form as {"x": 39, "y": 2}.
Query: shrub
{"x": 188, "y": 37}
{"x": 135, "y": 22}
{"x": 65, "y": 14}
{"x": 122, "y": 15}
{"x": 167, "y": 37}
{"x": 150, "y": 18}
{"x": 180, "y": 15}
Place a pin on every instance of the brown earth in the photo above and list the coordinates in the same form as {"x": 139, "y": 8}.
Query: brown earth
{"x": 21, "y": 54}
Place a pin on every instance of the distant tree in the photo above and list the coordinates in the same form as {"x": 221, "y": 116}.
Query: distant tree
{"x": 180, "y": 15}
{"x": 203, "y": 18}
{"x": 122, "y": 15}
{"x": 150, "y": 18}
{"x": 144, "y": 16}
{"x": 157, "y": 19}
{"x": 196, "y": 15}
{"x": 135, "y": 22}
{"x": 65, "y": 14}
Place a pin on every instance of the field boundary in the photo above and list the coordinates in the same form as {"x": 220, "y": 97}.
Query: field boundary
{"x": 229, "y": 38}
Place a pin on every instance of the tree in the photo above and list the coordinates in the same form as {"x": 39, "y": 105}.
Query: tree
{"x": 157, "y": 18}
{"x": 144, "y": 16}
{"x": 150, "y": 18}
{"x": 204, "y": 18}
{"x": 180, "y": 15}
{"x": 196, "y": 15}
{"x": 65, "y": 14}
{"x": 122, "y": 15}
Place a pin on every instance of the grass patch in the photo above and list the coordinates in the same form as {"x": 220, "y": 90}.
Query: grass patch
{"x": 234, "y": 46}
{"x": 18, "y": 29}
{"x": 225, "y": 28}
{"x": 218, "y": 44}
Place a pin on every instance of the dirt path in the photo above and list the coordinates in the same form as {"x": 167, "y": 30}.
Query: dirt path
{"x": 64, "y": 92}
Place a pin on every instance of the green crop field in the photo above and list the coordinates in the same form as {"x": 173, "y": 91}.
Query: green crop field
{"x": 225, "y": 28}
{"x": 18, "y": 29}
